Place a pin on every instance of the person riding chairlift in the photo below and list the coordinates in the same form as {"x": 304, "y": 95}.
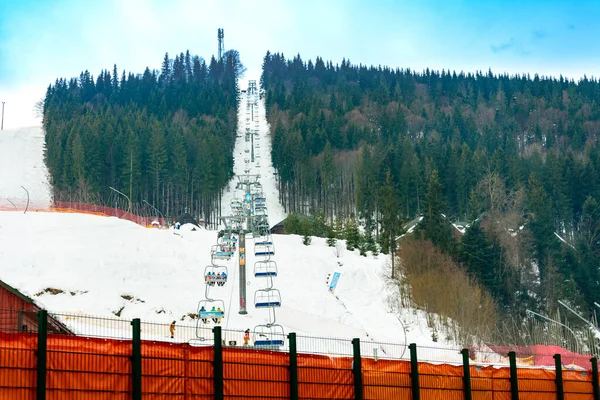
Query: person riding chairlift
{"x": 203, "y": 310}
{"x": 214, "y": 311}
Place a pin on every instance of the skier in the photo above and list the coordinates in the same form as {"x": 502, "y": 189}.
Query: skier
{"x": 213, "y": 311}
{"x": 218, "y": 279}
{"x": 223, "y": 278}
{"x": 246, "y": 337}
{"x": 202, "y": 311}
{"x": 172, "y": 329}
{"x": 220, "y": 313}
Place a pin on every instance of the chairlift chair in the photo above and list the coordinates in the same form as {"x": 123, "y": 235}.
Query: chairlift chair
{"x": 208, "y": 305}
{"x": 269, "y": 337}
{"x": 264, "y": 249}
{"x": 213, "y": 274}
{"x": 267, "y": 298}
{"x": 220, "y": 252}
{"x": 264, "y": 269}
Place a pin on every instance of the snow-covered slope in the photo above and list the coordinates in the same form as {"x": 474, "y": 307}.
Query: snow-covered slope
{"x": 262, "y": 164}
{"x": 96, "y": 260}
{"x": 22, "y": 164}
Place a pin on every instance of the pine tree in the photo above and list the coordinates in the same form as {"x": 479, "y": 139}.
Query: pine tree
{"x": 390, "y": 221}
{"x": 158, "y": 156}
{"x": 351, "y": 233}
{"x": 435, "y": 225}
{"x": 331, "y": 236}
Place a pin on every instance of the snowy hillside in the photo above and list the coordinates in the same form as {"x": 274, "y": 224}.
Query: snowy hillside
{"x": 22, "y": 164}
{"x": 97, "y": 260}
{"x": 262, "y": 164}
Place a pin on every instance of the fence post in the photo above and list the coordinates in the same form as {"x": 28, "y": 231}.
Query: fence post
{"x": 357, "y": 370}
{"x": 560, "y": 393}
{"x": 514, "y": 382}
{"x": 42, "y": 354}
{"x": 466, "y": 374}
{"x": 414, "y": 372}
{"x": 594, "y": 362}
{"x": 218, "y": 363}
{"x": 293, "y": 367}
{"x": 136, "y": 360}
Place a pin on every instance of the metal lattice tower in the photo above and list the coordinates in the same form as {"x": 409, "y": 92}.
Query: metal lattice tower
{"x": 221, "y": 36}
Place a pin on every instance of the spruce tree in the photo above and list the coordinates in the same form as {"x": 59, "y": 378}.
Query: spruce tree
{"x": 435, "y": 224}
{"x": 390, "y": 221}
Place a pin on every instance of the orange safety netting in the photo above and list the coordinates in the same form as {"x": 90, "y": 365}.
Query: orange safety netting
{"x": 92, "y": 368}
{"x": 91, "y": 209}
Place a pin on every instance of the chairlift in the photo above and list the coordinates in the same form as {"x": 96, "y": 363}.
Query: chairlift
{"x": 269, "y": 337}
{"x": 215, "y": 274}
{"x": 262, "y": 249}
{"x": 264, "y": 269}
{"x": 205, "y": 310}
{"x": 221, "y": 252}
{"x": 267, "y": 298}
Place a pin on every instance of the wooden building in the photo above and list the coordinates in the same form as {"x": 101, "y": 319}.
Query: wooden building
{"x": 18, "y": 313}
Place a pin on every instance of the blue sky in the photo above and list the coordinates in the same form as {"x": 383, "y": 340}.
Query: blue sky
{"x": 41, "y": 40}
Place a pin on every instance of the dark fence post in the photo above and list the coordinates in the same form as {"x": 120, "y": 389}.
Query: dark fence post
{"x": 293, "y": 367}
{"x": 594, "y": 362}
{"x": 357, "y": 370}
{"x": 514, "y": 382}
{"x": 466, "y": 374}
{"x": 560, "y": 393}
{"x": 42, "y": 354}
{"x": 136, "y": 360}
{"x": 414, "y": 372}
{"x": 218, "y": 363}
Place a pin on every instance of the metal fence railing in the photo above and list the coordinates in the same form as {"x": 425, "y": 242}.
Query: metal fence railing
{"x": 83, "y": 357}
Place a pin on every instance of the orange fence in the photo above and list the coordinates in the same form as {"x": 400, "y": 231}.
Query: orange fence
{"x": 86, "y": 208}
{"x": 98, "y": 369}
{"x": 64, "y": 206}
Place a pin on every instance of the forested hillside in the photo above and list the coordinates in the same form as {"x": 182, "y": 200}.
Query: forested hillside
{"x": 163, "y": 137}
{"x": 516, "y": 156}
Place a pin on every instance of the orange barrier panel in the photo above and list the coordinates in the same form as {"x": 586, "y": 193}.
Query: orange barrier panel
{"x": 255, "y": 373}
{"x": 17, "y": 366}
{"x": 98, "y": 369}
{"x": 385, "y": 379}
{"x": 173, "y": 371}
{"x": 323, "y": 377}
{"x": 88, "y": 368}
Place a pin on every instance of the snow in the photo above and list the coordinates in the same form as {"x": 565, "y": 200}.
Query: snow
{"x": 96, "y": 260}
{"x": 22, "y": 164}
{"x": 262, "y": 164}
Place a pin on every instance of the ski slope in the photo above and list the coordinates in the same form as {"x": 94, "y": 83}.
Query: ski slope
{"x": 263, "y": 166}
{"x": 22, "y": 165}
{"x": 96, "y": 260}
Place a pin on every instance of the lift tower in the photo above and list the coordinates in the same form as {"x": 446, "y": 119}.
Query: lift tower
{"x": 221, "y": 36}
